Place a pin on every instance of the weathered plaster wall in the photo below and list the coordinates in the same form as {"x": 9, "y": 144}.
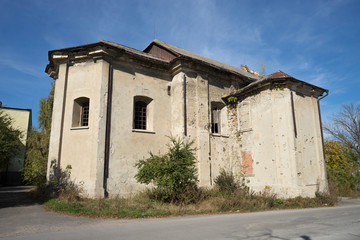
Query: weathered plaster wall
{"x": 309, "y": 149}
{"x": 197, "y": 100}
{"x": 167, "y": 117}
{"x": 257, "y": 138}
{"x": 128, "y": 146}
{"x": 55, "y": 134}
{"x": 214, "y": 151}
{"x": 82, "y": 147}
{"x": 268, "y": 143}
{"x": 224, "y": 145}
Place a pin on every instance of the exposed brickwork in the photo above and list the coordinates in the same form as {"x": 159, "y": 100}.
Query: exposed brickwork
{"x": 247, "y": 163}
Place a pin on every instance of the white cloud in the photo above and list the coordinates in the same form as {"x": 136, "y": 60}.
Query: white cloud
{"x": 17, "y": 65}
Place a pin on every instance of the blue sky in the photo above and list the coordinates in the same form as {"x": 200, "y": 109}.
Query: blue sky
{"x": 314, "y": 41}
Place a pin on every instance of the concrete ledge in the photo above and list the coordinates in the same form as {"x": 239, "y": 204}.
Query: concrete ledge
{"x": 219, "y": 135}
{"x": 143, "y": 131}
{"x": 79, "y": 128}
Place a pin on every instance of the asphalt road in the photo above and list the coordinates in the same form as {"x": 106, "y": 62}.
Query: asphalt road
{"x": 30, "y": 221}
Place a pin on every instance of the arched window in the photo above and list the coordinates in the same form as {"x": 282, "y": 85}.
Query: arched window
{"x": 142, "y": 113}
{"x": 81, "y": 111}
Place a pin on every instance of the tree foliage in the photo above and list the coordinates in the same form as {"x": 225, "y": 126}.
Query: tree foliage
{"x": 10, "y": 143}
{"x": 343, "y": 154}
{"x": 342, "y": 167}
{"x": 38, "y": 144}
{"x": 173, "y": 173}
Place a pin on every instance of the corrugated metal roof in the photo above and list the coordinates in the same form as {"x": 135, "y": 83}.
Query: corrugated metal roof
{"x": 206, "y": 60}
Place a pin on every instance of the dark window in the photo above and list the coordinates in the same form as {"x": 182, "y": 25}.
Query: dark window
{"x": 215, "y": 119}
{"x": 140, "y": 115}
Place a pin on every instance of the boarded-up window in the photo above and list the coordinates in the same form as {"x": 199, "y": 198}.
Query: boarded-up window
{"x": 218, "y": 118}
{"x": 215, "y": 119}
{"x": 244, "y": 117}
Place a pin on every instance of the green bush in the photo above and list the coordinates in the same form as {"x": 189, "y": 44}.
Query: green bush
{"x": 173, "y": 174}
{"x": 226, "y": 182}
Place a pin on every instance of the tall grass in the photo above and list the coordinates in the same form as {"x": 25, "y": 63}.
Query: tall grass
{"x": 228, "y": 195}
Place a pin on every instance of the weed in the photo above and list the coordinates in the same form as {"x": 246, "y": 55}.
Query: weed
{"x": 232, "y": 101}
{"x": 229, "y": 195}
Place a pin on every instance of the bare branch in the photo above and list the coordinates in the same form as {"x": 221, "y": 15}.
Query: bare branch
{"x": 345, "y": 127}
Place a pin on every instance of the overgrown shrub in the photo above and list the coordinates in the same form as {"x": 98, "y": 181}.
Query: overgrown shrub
{"x": 173, "y": 174}
{"x": 226, "y": 182}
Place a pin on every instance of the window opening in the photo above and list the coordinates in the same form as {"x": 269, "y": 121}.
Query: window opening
{"x": 215, "y": 119}
{"x": 140, "y": 115}
{"x": 81, "y": 112}
{"x": 85, "y": 114}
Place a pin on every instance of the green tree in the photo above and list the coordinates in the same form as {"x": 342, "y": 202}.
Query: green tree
{"x": 342, "y": 167}
{"x": 10, "y": 143}
{"x": 343, "y": 154}
{"x": 173, "y": 173}
{"x": 38, "y": 144}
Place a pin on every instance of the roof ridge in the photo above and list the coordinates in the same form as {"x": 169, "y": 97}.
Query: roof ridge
{"x": 278, "y": 75}
{"x": 208, "y": 60}
{"x": 117, "y": 45}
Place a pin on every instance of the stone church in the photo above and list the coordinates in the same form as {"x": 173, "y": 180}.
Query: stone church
{"x": 114, "y": 104}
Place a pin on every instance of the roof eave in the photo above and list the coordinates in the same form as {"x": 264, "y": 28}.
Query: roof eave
{"x": 64, "y": 54}
{"x": 262, "y": 83}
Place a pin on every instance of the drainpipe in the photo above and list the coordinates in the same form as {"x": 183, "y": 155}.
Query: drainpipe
{"x": 293, "y": 113}
{"x": 185, "y": 113}
{"x": 209, "y": 130}
{"x": 321, "y": 127}
{"x": 108, "y": 130}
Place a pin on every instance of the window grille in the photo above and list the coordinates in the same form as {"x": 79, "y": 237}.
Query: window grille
{"x": 85, "y": 114}
{"x": 140, "y": 115}
{"x": 81, "y": 112}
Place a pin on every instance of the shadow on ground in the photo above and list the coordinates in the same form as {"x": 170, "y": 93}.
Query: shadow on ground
{"x": 15, "y": 196}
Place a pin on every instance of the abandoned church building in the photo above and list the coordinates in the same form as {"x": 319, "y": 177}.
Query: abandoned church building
{"x": 114, "y": 104}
